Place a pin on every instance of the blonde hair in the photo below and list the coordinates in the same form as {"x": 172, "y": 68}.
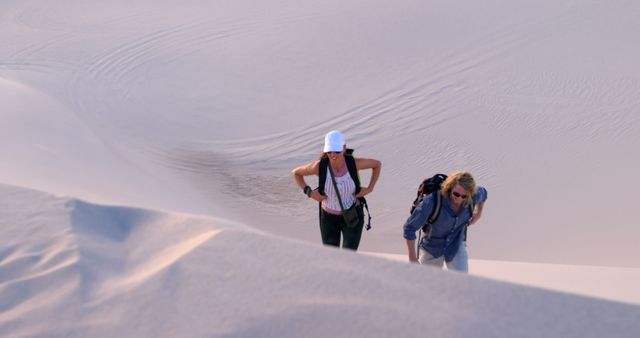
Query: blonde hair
{"x": 465, "y": 180}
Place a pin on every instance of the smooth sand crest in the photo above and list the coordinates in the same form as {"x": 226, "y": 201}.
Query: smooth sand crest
{"x": 140, "y": 272}
{"x": 204, "y": 108}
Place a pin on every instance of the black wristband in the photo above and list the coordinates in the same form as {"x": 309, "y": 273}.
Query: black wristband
{"x": 307, "y": 190}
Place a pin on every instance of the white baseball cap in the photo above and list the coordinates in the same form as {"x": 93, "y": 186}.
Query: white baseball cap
{"x": 334, "y": 141}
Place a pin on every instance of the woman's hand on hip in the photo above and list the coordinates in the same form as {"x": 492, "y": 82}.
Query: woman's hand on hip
{"x": 364, "y": 191}
{"x": 317, "y": 196}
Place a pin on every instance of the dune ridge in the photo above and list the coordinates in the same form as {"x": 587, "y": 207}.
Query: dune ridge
{"x": 198, "y": 276}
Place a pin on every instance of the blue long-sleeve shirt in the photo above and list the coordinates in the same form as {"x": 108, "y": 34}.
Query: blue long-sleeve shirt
{"x": 447, "y": 231}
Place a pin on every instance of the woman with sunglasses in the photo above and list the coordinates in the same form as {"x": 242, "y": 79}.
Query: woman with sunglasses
{"x": 336, "y": 160}
{"x": 461, "y": 205}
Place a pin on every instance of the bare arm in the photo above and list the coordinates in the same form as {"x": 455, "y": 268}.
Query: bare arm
{"x": 300, "y": 172}
{"x": 411, "y": 246}
{"x": 305, "y": 170}
{"x": 477, "y": 212}
{"x": 375, "y": 166}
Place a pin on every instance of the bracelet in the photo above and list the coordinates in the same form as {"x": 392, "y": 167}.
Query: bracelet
{"x": 307, "y": 190}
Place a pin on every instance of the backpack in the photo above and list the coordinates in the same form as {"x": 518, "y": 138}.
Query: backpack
{"x": 353, "y": 172}
{"x": 428, "y": 186}
{"x": 351, "y": 166}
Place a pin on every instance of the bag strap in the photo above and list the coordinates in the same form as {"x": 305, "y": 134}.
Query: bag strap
{"x": 435, "y": 212}
{"x": 363, "y": 201}
{"x": 322, "y": 177}
{"x": 471, "y": 209}
{"x": 335, "y": 186}
{"x": 436, "y": 208}
{"x": 351, "y": 167}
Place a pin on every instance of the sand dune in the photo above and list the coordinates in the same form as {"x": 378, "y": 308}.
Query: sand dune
{"x": 76, "y": 269}
{"x": 204, "y": 108}
{"x": 169, "y": 109}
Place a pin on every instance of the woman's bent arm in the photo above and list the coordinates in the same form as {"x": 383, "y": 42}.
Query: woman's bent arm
{"x": 375, "y": 166}
{"x": 305, "y": 170}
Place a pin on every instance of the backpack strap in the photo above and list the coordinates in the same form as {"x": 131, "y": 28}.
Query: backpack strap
{"x": 436, "y": 208}
{"x": 322, "y": 176}
{"x": 351, "y": 167}
{"x": 363, "y": 201}
{"x": 355, "y": 176}
{"x": 471, "y": 208}
{"x": 435, "y": 212}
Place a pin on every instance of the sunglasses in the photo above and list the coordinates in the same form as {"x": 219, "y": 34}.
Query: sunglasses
{"x": 457, "y": 194}
{"x": 333, "y": 152}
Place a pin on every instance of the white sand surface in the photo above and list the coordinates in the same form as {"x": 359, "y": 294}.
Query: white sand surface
{"x": 204, "y": 107}
{"x": 612, "y": 283}
{"x": 71, "y": 268}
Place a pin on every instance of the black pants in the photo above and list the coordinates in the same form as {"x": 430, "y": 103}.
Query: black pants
{"x": 333, "y": 226}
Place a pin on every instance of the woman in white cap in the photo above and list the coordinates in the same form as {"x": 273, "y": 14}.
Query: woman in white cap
{"x": 337, "y": 168}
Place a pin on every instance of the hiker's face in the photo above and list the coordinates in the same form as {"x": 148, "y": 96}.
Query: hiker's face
{"x": 334, "y": 155}
{"x": 458, "y": 195}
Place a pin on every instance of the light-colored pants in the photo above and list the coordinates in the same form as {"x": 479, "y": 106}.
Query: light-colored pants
{"x": 460, "y": 261}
